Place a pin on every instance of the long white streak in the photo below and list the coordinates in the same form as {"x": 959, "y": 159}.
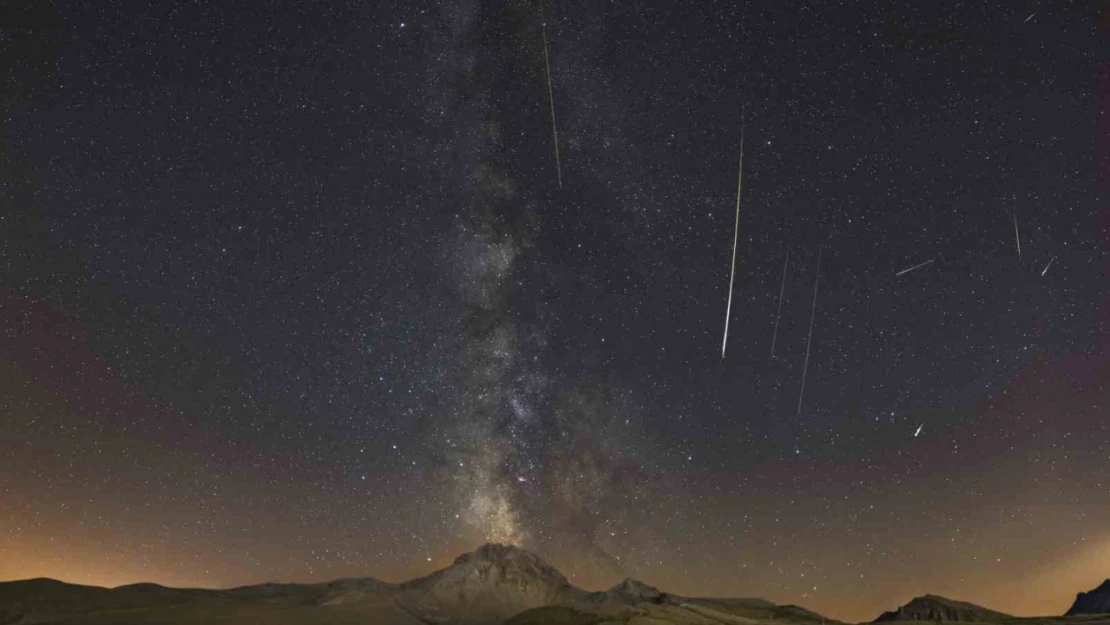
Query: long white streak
{"x": 778, "y": 314}
{"x": 551, "y": 99}
{"x": 1047, "y": 266}
{"x": 1028, "y": 18}
{"x": 735, "y": 240}
{"x": 917, "y": 266}
{"x": 1017, "y": 237}
{"x": 809, "y": 339}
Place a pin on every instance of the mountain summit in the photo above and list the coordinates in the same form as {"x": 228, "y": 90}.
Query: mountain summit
{"x": 1095, "y": 601}
{"x": 632, "y": 592}
{"x": 487, "y": 585}
{"x": 493, "y": 585}
{"x": 935, "y": 608}
{"x": 510, "y": 560}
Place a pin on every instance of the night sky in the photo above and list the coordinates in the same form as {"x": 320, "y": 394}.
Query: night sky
{"x": 291, "y": 292}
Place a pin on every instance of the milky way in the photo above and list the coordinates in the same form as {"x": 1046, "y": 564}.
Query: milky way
{"x": 532, "y": 461}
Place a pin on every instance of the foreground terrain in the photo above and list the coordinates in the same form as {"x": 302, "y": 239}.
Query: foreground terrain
{"x": 494, "y": 585}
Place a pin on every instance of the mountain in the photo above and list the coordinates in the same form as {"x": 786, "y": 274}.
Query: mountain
{"x": 58, "y": 603}
{"x": 668, "y": 609}
{"x": 631, "y": 592}
{"x": 34, "y": 600}
{"x": 487, "y": 586}
{"x": 934, "y": 608}
{"x": 1096, "y": 601}
{"x": 493, "y": 585}
{"x": 623, "y": 614}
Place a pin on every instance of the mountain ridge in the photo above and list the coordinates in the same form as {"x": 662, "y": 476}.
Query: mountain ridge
{"x": 493, "y": 585}
{"x": 487, "y": 586}
{"x": 930, "y": 607}
{"x": 1094, "y": 601}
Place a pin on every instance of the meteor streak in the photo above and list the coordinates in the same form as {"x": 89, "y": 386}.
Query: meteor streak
{"x": 1017, "y": 238}
{"x": 809, "y": 339}
{"x": 918, "y": 430}
{"x": 917, "y": 266}
{"x": 735, "y": 238}
{"x": 1047, "y": 266}
{"x": 778, "y": 314}
{"x": 551, "y": 98}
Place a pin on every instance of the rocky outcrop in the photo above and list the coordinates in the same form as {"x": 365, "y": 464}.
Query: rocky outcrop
{"x": 488, "y": 585}
{"x": 632, "y": 592}
{"x": 934, "y": 608}
{"x": 1096, "y": 601}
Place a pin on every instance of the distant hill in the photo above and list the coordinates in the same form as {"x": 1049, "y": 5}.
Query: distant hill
{"x": 490, "y": 586}
{"x": 1096, "y": 601}
{"x": 623, "y": 614}
{"x": 494, "y": 585}
{"x": 672, "y": 610}
{"x": 58, "y": 603}
{"x": 487, "y": 586}
{"x": 934, "y": 608}
{"x": 631, "y": 592}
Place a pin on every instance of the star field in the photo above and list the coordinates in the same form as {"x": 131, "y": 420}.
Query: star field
{"x": 292, "y": 293}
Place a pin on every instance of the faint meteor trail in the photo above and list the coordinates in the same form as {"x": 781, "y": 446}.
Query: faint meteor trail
{"x": 1028, "y": 18}
{"x": 735, "y": 237}
{"x": 778, "y": 314}
{"x": 917, "y": 266}
{"x": 551, "y": 98}
{"x": 1047, "y": 266}
{"x": 809, "y": 339}
{"x": 1017, "y": 237}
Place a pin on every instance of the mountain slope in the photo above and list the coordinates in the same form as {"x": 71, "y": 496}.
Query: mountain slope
{"x": 934, "y": 608}
{"x": 614, "y": 614}
{"x": 1096, "y": 601}
{"x": 489, "y": 585}
{"x": 759, "y": 609}
{"x": 51, "y": 601}
{"x": 40, "y": 599}
{"x": 631, "y": 592}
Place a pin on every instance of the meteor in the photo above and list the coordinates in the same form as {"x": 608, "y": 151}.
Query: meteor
{"x": 1047, "y": 266}
{"x": 918, "y": 430}
{"x": 735, "y": 238}
{"x": 778, "y": 315}
{"x": 1017, "y": 238}
{"x": 917, "y": 266}
{"x": 551, "y": 98}
{"x": 809, "y": 339}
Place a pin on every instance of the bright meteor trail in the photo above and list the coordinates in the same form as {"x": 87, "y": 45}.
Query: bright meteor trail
{"x": 778, "y": 315}
{"x": 735, "y": 238}
{"x": 917, "y": 266}
{"x": 1017, "y": 238}
{"x": 809, "y": 339}
{"x": 551, "y": 98}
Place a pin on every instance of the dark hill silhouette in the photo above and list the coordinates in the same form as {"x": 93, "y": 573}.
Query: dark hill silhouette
{"x": 1096, "y": 601}
{"x": 935, "y": 608}
{"x": 493, "y": 585}
{"x": 486, "y": 587}
{"x": 489, "y": 585}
